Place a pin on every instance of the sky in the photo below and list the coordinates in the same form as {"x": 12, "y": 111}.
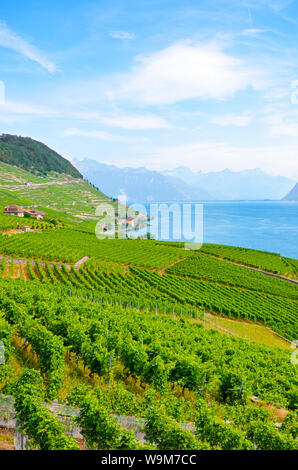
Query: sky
{"x": 158, "y": 83}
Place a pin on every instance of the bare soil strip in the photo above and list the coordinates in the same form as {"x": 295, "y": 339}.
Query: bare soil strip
{"x": 279, "y": 276}
{"x": 163, "y": 270}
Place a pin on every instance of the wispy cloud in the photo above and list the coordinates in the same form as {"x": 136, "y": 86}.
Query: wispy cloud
{"x": 17, "y": 107}
{"x": 101, "y": 135}
{"x": 232, "y": 120}
{"x": 98, "y": 134}
{"x": 277, "y": 5}
{"x": 128, "y": 122}
{"x": 121, "y": 35}
{"x": 13, "y": 41}
{"x": 136, "y": 122}
{"x": 252, "y": 32}
{"x": 186, "y": 71}
{"x": 282, "y": 123}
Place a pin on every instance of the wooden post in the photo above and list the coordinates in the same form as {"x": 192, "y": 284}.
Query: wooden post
{"x": 241, "y": 387}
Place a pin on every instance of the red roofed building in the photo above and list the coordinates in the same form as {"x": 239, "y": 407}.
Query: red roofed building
{"x": 14, "y": 210}
{"x": 20, "y": 211}
{"x": 25, "y": 228}
{"x": 34, "y": 213}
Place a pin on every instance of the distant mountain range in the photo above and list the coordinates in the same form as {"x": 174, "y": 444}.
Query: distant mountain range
{"x": 143, "y": 185}
{"x": 139, "y": 184}
{"x": 230, "y": 185}
{"x": 292, "y": 195}
{"x": 182, "y": 184}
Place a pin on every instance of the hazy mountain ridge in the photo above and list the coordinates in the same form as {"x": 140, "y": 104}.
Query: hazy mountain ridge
{"x": 139, "y": 184}
{"x": 143, "y": 185}
{"x": 292, "y": 195}
{"x": 229, "y": 185}
{"x": 181, "y": 184}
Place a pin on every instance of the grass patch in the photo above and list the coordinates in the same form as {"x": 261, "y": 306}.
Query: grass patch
{"x": 248, "y": 331}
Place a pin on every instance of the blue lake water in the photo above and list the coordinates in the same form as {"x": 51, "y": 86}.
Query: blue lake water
{"x": 269, "y": 226}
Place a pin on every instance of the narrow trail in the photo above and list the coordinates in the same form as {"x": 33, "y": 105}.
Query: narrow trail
{"x": 252, "y": 269}
{"x": 81, "y": 261}
{"x": 39, "y": 185}
{"x": 267, "y": 274}
{"x": 163, "y": 270}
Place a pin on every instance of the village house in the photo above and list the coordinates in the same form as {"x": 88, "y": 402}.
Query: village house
{"x": 129, "y": 221}
{"x": 38, "y": 214}
{"x": 20, "y": 212}
{"x": 14, "y": 210}
{"x": 26, "y": 228}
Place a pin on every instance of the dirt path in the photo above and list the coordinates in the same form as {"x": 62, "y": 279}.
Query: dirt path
{"x": 253, "y": 269}
{"x": 267, "y": 274}
{"x": 163, "y": 270}
{"x": 38, "y": 185}
{"x": 81, "y": 261}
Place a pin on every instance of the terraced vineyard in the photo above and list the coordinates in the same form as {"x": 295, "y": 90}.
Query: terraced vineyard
{"x": 64, "y": 197}
{"x": 207, "y": 268}
{"x": 263, "y": 260}
{"x": 141, "y": 328}
{"x": 178, "y": 365}
{"x": 13, "y": 176}
{"x": 294, "y": 264}
{"x": 9, "y": 222}
{"x": 71, "y": 245}
{"x": 139, "y": 286}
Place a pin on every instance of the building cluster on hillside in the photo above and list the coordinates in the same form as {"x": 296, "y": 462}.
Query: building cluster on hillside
{"x": 19, "y": 211}
{"x": 26, "y": 228}
{"x": 128, "y": 221}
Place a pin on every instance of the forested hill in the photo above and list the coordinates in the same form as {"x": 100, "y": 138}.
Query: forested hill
{"x": 33, "y": 156}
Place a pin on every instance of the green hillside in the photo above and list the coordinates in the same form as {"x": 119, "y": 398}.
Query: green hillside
{"x": 72, "y": 200}
{"x": 33, "y": 156}
{"x": 183, "y": 340}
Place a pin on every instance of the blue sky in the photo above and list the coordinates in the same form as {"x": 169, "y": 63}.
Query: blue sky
{"x": 159, "y": 83}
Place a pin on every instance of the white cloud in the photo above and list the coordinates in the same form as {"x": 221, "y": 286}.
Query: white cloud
{"x": 186, "y": 71}
{"x": 136, "y": 122}
{"x": 278, "y": 93}
{"x": 98, "y": 134}
{"x": 122, "y": 35}
{"x": 277, "y": 5}
{"x": 11, "y": 40}
{"x": 123, "y": 121}
{"x": 232, "y": 120}
{"x": 252, "y": 32}
{"x": 282, "y": 124}
{"x": 17, "y": 107}
{"x": 101, "y": 135}
{"x": 280, "y": 120}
